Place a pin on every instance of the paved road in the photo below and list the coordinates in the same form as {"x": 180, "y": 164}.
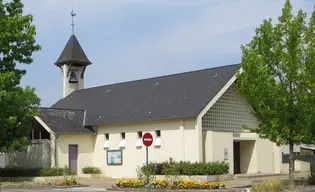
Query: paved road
{"x": 83, "y": 189}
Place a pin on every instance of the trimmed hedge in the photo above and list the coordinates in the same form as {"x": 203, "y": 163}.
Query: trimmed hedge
{"x": 50, "y": 172}
{"x": 34, "y": 172}
{"x": 19, "y": 172}
{"x": 187, "y": 168}
{"x": 91, "y": 170}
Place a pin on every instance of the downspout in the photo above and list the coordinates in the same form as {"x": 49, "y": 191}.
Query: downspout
{"x": 56, "y": 163}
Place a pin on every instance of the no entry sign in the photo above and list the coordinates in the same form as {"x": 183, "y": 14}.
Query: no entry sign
{"x": 147, "y": 139}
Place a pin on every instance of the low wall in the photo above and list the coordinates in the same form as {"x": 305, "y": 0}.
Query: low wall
{"x": 199, "y": 178}
{"x": 2, "y": 160}
{"x": 37, "y": 155}
{"x": 35, "y": 179}
{"x": 91, "y": 176}
{"x": 300, "y": 166}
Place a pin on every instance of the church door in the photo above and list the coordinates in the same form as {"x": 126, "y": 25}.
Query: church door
{"x": 73, "y": 158}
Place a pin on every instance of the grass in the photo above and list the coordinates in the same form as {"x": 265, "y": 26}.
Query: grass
{"x": 268, "y": 186}
{"x": 19, "y": 184}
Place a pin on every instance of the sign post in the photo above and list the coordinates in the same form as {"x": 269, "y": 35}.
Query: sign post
{"x": 147, "y": 140}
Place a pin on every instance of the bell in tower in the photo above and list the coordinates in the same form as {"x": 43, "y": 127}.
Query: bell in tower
{"x": 72, "y": 63}
{"x": 73, "y": 77}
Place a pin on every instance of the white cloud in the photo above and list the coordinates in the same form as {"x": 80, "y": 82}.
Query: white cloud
{"x": 215, "y": 24}
{"x": 218, "y": 30}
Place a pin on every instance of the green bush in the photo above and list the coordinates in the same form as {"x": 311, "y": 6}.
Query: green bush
{"x": 186, "y": 168}
{"x": 91, "y": 170}
{"x": 268, "y": 186}
{"x": 50, "y": 172}
{"x": 311, "y": 178}
{"x": 34, "y": 172}
{"x": 19, "y": 172}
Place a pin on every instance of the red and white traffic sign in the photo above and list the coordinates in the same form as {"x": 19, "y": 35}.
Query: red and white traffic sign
{"x": 147, "y": 139}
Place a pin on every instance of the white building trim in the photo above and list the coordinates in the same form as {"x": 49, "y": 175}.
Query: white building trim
{"x": 44, "y": 125}
{"x": 217, "y": 96}
{"x": 52, "y": 141}
{"x": 198, "y": 125}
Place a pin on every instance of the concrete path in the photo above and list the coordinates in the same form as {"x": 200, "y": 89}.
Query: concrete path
{"x": 100, "y": 184}
{"x": 83, "y": 189}
{"x": 241, "y": 181}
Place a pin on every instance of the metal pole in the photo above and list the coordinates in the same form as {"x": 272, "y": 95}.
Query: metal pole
{"x": 147, "y": 162}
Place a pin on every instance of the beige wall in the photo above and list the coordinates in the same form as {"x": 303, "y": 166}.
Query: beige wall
{"x": 248, "y": 153}
{"x": 214, "y": 144}
{"x": 265, "y": 148}
{"x": 256, "y": 155}
{"x": 178, "y": 141}
{"x": 85, "y": 150}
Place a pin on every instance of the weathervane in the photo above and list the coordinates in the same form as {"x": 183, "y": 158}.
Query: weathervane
{"x": 72, "y": 15}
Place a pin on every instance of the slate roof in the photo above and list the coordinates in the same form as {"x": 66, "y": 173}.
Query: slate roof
{"x": 64, "y": 121}
{"x": 73, "y": 53}
{"x": 176, "y": 96}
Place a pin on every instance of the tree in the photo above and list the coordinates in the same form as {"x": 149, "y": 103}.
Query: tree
{"x": 17, "y": 105}
{"x": 278, "y": 79}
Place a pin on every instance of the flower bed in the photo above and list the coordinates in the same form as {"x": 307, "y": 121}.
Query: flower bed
{"x": 66, "y": 181}
{"x": 172, "y": 167}
{"x": 164, "y": 184}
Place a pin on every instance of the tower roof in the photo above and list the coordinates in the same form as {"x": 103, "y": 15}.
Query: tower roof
{"x": 73, "y": 54}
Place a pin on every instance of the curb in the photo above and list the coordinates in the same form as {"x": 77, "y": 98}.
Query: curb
{"x": 41, "y": 187}
{"x": 170, "y": 190}
{"x": 257, "y": 176}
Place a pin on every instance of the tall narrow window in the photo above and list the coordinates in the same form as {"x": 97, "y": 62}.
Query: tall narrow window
{"x": 106, "y": 143}
{"x": 123, "y": 135}
{"x": 139, "y": 141}
{"x": 122, "y": 143}
{"x": 158, "y": 133}
{"x": 157, "y": 142}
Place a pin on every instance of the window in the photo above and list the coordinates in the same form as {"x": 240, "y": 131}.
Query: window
{"x": 158, "y": 133}
{"x": 139, "y": 141}
{"x": 123, "y": 135}
{"x": 106, "y": 143}
{"x": 122, "y": 143}
{"x": 157, "y": 142}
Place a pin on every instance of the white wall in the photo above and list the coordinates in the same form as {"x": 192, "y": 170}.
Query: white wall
{"x": 300, "y": 166}
{"x": 37, "y": 155}
{"x": 69, "y": 87}
{"x": 2, "y": 160}
{"x": 178, "y": 141}
{"x": 85, "y": 150}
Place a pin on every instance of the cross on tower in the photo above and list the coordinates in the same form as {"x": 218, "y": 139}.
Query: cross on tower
{"x": 72, "y": 15}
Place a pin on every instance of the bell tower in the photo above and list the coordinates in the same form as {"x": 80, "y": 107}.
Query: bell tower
{"x": 72, "y": 63}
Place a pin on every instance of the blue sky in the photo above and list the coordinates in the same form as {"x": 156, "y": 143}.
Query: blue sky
{"x": 135, "y": 39}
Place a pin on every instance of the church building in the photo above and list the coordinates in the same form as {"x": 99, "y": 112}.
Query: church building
{"x": 195, "y": 116}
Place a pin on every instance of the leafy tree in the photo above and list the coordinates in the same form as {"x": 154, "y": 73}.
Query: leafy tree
{"x": 278, "y": 79}
{"x": 17, "y": 105}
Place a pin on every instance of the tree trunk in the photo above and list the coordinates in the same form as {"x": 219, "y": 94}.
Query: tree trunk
{"x": 291, "y": 165}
